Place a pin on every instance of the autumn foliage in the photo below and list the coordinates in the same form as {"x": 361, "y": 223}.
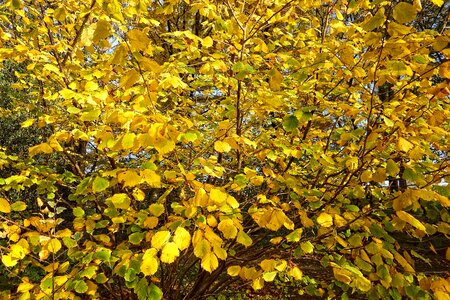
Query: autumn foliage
{"x": 199, "y": 148}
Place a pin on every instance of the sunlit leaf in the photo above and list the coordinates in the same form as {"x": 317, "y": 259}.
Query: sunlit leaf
{"x": 160, "y": 239}
{"x": 182, "y": 238}
{"x": 169, "y": 252}
{"x": 99, "y": 184}
{"x": 209, "y": 262}
{"x": 228, "y": 228}
{"x": 325, "y": 220}
{"x": 5, "y": 207}
{"x": 150, "y": 263}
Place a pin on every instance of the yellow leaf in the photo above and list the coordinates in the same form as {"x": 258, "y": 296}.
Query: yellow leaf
{"x": 8, "y": 261}
{"x": 441, "y": 295}
{"x": 102, "y": 30}
{"x": 395, "y": 29}
{"x": 362, "y": 283}
{"x": 53, "y": 245}
{"x": 306, "y": 221}
{"x": 258, "y": 283}
{"x": 169, "y": 253}
{"x": 269, "y": 276}
{"x": 276, "y": 78}
{"x": 156, "y": 209}
{"x": 411, "y": 220}
{"x": 120, "y": 200}
{"x": 228, "y": 229}
{"x": 325, "y": 220}
{"x": 212, "y": 236}
{"x": 52, "y": 68}
{"x": 128, "y": 140}
{"x": 25, "y": 286}
{"x": 220, "y": 252}
{"x": 138, "y": 40}
{"x": 151, "y": 222}
{"x": 41, "y": 148}
{"x": 417, "y": 5}
{"x": 438, "y": 2}
{"x": 232, "y": 202}
{"x": 281, "y": 265}
{"x": 277, "y": 219}
{"x": 90, "y": 115}
{"x": 129, "y": 178}
{"x": 4, "y": 206}
{"x": 375, "y": 21}
{"x": 220, "y": 146}
{"x": 211, "y": 220}
{"x": 218, "y": 197}
{"x": 150, "y": 263}
{"x": 403, "y": 262}
{"x": 182, "y": 238}
{"x": 391, "y": 168}
{"x": 342, "y": 275}
{"x": 444, "y": 68}
{"x": 138, "y": 194}
{"x": 404, "y": 12}
{"x": 233, "y": 270}
{"x": 207, "y": 42}
{"x": 160, "y": 239}
{"x": 90, "y": 86}
{"x": 129, "y": 79}
{"x": 296, "y": 273}
{"x": 244, "y": 239}
{"x": 209, "y": 262}
{"x": 27, "y": 123}
{"x": 404, "y": 145}
{"x": 20, "y": 250}
{"x": 202, "y": 248}
{"x": 447, "y": 253}
{"x": 339, "y": 15}
{"x": 151, "y": 178}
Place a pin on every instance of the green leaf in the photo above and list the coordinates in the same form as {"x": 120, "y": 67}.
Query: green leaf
{"x": 154, "y": 292}
{"x": 101, "y": 278}
{"x": 136, "y": 238}
{"x": 290, "y": 123}
{"x": 142, "y": 289}
{"x": 81, "y": 287}
{"x": 156, "y": 209}
{"x": 99, "y": 184}
{"x": 88, "y": 272}
{"x": 103, "y": 255}
{"x": 392, "y": 168}
{"x": 18, "y": 206}
{"x": 78, "y": 212}
{"x": 295, "y": 235}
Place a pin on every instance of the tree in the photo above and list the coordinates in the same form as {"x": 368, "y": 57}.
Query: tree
{"x": 204, "y": 148}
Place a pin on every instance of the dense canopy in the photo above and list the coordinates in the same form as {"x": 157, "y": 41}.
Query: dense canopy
{"x": 192, "y": 149}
